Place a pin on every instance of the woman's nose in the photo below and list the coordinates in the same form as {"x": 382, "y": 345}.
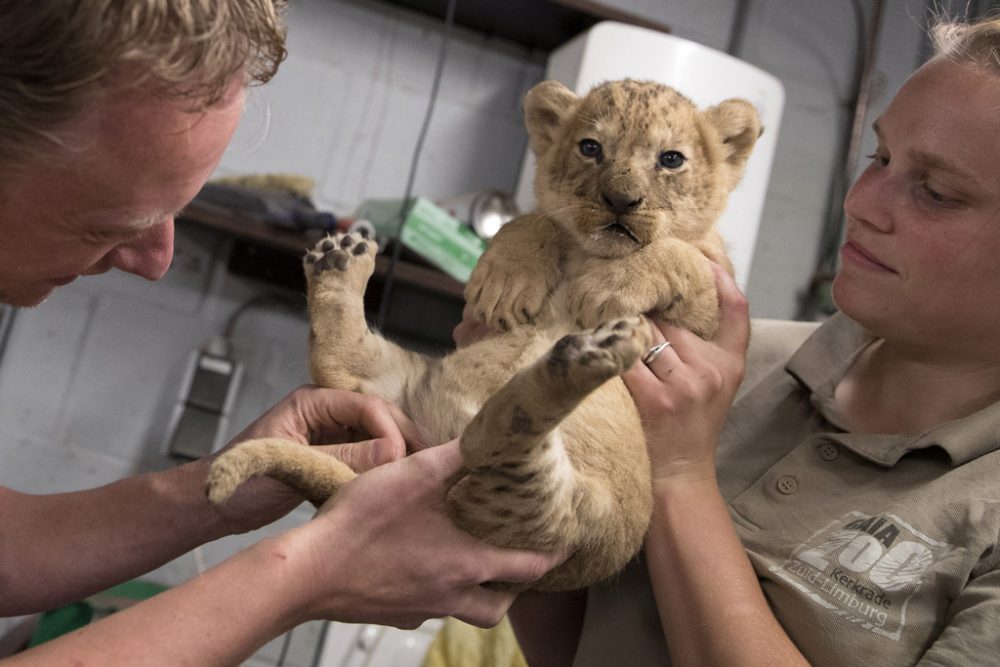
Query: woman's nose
{"x": 868, "y": 199}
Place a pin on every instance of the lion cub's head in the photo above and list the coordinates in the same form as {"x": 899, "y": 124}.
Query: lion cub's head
{"x": 634, "y": 161}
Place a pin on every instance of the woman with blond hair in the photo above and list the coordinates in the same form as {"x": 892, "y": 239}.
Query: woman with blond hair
{"x": 845, "y": 510}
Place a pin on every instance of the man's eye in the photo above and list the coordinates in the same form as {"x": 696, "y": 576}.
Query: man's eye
{"x": 882, "y": 161}
{"x": 671, "y": 159}
{"x": 590, "y": 148}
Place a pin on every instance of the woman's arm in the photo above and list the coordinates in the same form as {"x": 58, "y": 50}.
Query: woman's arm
{"x": 711, "y": 607}
{"x": 548, "y": 625}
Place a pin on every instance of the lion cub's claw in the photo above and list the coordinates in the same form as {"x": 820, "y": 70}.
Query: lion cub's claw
{"x": 503, "y": 299}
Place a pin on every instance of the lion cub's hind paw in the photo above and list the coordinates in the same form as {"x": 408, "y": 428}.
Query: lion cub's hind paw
{"x": 608, "y": 350}
{"x": 341, "y": 256}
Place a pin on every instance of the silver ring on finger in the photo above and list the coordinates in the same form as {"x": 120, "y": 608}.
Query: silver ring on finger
{"x": 655, "y": 351}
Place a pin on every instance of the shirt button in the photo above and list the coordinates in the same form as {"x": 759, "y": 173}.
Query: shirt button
{"x": 787, "y": 485}
{"x": 829, "y": 451}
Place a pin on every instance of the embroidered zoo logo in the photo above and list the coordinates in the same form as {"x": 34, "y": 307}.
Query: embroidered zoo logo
{"x": 865, "y": 569}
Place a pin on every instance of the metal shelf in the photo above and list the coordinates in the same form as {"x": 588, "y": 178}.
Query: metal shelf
{"x": 425, "y": 303}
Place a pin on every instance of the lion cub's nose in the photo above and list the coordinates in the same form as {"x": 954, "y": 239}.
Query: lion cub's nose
{"x": 620, "y": 203}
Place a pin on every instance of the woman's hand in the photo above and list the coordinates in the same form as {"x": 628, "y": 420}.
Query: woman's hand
{"x": 684, "y": 393}
{"x": 695, "y": 558}
{"x": 377, "y": 433}
{"x": 471, "y": 329}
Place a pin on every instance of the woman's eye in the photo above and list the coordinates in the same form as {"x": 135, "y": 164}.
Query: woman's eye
{"x": 671, "y": 159}
{"x": 936, "y": 196}
{"x": 590, "y": 148}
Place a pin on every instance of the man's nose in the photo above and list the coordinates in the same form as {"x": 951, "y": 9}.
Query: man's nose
{"x": 149, "y": 255}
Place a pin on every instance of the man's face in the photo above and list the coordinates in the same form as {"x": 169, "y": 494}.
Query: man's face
{"x": 108, "y": 198}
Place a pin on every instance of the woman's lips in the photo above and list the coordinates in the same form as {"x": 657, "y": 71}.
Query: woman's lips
{"x": 856, "y": 254}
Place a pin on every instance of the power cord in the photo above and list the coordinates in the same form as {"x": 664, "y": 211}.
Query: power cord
{"x": 449, "y": 22}
{"x": 285, "y": 645}
{"x": 289, "y": 302}
{"x": 404, "y": 214}
{"x": 815, "y": 300}
{"x": 6, "y": 323}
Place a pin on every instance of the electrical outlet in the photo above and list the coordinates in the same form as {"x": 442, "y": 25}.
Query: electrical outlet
{"x": 201, "y": 414}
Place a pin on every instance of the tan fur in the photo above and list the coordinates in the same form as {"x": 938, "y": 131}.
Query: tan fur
{"x": 555, "y": 452}
{"x": 569, "y": 242}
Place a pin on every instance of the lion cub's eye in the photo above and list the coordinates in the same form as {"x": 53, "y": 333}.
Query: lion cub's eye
{"x": 590, "y": 148}
{"x": 671, "y": 159}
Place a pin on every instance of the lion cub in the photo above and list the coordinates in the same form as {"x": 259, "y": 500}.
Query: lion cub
{"x": 630, "y": 181}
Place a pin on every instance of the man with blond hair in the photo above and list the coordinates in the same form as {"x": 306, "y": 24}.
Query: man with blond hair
{"x": 112, "y": 116}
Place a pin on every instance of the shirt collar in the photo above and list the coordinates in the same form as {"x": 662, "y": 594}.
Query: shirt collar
{"x": 823, "y": 360}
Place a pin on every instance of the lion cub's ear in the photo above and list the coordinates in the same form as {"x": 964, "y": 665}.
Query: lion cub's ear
{"x": 739, "y": 125}
{"x": 545, "y": 106}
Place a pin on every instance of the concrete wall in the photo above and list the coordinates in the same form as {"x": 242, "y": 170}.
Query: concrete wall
{"x": 88, "y": 378}
{"x": 347, "y": 107}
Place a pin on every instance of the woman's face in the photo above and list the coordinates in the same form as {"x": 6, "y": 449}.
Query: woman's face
{"x": 921, "y": 263}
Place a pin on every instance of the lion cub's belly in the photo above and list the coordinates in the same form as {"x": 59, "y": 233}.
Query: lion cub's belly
{"x": 453, "y": 389}
{"x": 587, "y": 489}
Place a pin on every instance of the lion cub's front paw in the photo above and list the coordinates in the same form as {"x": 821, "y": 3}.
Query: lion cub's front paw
{"x": 596, "y": 302}
{"x": 342, "y": 258}
{"x": 504, "y": 295}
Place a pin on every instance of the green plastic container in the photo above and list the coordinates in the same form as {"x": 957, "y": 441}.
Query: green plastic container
{"x": 429, "y": 231}
{"x": 58, "y": 622}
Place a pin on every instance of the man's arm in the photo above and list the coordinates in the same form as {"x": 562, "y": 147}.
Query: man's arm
{"x": 61, "y": 548}
{"x": 219, "y": 618}
{"x": 383, "y": 551}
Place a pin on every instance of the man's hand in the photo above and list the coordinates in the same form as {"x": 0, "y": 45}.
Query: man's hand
{"x": 385, "y": 550}
{"x": 377, "y": 433}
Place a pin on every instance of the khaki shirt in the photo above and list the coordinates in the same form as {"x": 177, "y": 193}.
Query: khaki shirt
{"x": 871, "y": 549}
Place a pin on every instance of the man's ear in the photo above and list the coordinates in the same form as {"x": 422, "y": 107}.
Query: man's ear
{"x": 545, "y": 106}
{"x": 738, "y": 123}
